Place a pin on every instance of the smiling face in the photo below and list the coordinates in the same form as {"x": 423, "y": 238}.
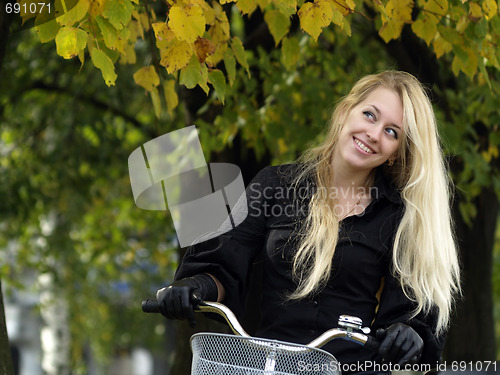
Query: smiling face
{"x": 372, "y": 132}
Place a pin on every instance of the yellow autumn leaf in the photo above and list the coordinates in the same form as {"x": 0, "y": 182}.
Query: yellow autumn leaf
{"x": 73, "y": 15}
{"x": 208, "y": 11}
{"x": 163, "y": 34}
{"x": 176, "y": 55}
{"x": 490, "y": 8}
{"x": 246, "y": 6}
{"x": 344, "y": 6}
{"x": 436, "y": 9}
{"x": 398, "y": 13}
{"x": 338, "y": 18}
{"x": 400, "y": 10}
{"x": 187, "y": 23}
{"x": 425, "y": 29}
{"x": 475, "y": 12}
{"x": 391, "y": 30}
{"x": 220, "y": 32}
{"x": 155, "y": 98}
{"x": 147, "y": 77}
{"x": 171, "y": 97}
{"x": 96, "y": 7}
{"x": 468, "y": 64}
{"x": 70, "y": 41}
{"x": 128, "y": 56}
{"x": 315, "y": 16}
{"x": 218, "y": 55}
{"x": 441, "y": 46}
{"x": 263, "y": 3}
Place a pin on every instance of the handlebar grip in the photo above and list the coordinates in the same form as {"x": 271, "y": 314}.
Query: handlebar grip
{"x": 150, "y": 306}
{"x": 372, "y": 343}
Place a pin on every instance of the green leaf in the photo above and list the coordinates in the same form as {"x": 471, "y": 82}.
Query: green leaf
{"x": 450, "y": 35}
{"x": 47, "y": 31}
{"x": 290, "y": 53}
{"x": 481, "y": 28}
{"x": 104, "y": 63}
{"x": 239, "y": 53}
{"x": 230, "y": 65}
{"x": 278, "y": 23}
{"x": 70, "y": 41}
{"x": 287, "y": 7}
{"x": 109, "y": 33}
{"x": 118, "y": 12}
{"x": 218, "y": 81}
{"x": 194, "y": 74}
{"x": 484, "y": 72}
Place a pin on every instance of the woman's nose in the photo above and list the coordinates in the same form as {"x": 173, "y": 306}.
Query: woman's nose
{"x": 373, "y": 134}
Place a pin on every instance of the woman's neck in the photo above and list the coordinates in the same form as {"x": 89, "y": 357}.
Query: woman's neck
{"x": 349, "y": 178}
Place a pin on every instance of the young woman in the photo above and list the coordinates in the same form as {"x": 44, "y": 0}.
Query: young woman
{"x": 359, "y": 225}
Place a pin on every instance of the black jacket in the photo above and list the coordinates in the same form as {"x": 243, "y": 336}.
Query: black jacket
{"x": 362, "y": 260}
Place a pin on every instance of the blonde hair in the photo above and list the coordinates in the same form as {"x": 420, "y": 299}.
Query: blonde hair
{"x": 424, "y": 256}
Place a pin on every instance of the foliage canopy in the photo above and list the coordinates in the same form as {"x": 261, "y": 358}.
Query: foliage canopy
{"x": 198, "y": 46}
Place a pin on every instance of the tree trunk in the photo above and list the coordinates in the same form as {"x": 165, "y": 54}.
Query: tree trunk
{"x": 6, "y": 365}
{"x": 472, "y": 335}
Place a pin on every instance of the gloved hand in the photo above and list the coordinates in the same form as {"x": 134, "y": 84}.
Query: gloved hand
{"x": 400, "y": 343}
{"x": 175, "y": 301}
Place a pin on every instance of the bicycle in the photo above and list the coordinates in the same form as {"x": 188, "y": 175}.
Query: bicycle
{"x": 242, "y": 354}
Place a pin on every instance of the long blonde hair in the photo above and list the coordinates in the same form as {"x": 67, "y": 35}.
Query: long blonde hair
{"x": 424, "y": 256}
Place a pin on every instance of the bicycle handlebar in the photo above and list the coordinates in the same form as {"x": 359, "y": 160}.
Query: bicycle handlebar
{"x": 349, "y": 326}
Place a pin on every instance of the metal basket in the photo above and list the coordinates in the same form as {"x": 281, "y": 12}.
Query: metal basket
{"x": 221, "y": 354}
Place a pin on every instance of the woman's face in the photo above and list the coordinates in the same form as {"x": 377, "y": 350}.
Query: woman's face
{"x": 372, "y": 131}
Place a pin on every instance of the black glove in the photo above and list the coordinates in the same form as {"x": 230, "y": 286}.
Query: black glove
{"x": 400, "y": 343}
{"x": 175, "y": 301}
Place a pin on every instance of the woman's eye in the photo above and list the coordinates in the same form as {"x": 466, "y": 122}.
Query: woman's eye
{"x": 392, "y": 132}
{"x": 369, "y": 115}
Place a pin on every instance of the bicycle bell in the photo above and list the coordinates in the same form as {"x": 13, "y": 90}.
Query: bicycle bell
{"x": 352, "y": 324}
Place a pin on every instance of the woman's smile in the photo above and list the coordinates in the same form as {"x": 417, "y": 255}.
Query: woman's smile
{"x": 363, "y": 147}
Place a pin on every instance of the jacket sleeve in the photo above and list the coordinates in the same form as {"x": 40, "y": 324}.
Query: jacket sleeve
{"x": 396, "y": 307}
{"x": 229, "y": 256}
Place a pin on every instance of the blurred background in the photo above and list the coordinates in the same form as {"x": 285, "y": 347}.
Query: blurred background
{"x": 77, "y": 256}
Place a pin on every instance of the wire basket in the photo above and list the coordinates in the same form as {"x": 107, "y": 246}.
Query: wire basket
{"x": 222, "y": 354}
